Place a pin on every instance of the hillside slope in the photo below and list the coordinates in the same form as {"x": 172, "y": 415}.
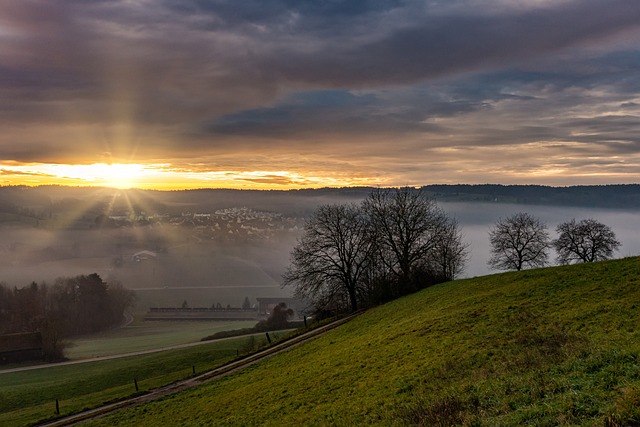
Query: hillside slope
{"x": 556, "y": 346}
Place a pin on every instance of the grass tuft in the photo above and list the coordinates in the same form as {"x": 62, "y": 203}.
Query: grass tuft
{"x": 447, "y": 411}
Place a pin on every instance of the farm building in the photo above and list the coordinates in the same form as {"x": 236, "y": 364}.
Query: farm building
{"x": 179, "y": 313}
{"x": 20, "y": 347}
{"x": 266, "y": 305}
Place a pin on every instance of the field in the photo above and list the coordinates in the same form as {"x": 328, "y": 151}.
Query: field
{"x": 26, "y": 397}
{"x": 556, "y": 346}
{"x": 29, "y": 396}
{"x": 140, "y": 336}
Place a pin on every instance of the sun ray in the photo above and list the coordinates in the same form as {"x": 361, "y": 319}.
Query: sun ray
{"x": 86, "y": 207}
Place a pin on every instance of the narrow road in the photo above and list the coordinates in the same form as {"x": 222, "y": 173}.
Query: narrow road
{"x": 197, "y": 380}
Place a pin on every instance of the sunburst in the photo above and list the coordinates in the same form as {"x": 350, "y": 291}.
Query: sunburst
{"x": 115, "y": 175}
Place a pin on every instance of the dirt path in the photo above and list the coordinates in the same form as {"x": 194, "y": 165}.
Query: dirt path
{"x": 197, "y": 380}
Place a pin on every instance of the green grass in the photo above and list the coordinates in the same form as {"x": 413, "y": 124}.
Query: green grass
{"x": 148, "y": 335}
{"x": 556, "y": 346}
{"x": 29, "y": 396}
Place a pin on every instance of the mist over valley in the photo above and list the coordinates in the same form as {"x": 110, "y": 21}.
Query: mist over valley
{"x": 211, "y": 247}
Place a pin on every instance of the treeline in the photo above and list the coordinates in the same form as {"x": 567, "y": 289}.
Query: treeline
{"x": 395, "y": 242}
{"x": 620, "y": 196}
{"x": 71, "y": 306}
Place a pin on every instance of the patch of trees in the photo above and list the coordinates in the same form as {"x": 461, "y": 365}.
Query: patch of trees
{"x": 522, "y": 241}
{"x": 397, "y": 241}
{"x": 71, "y": 306}
{"x": 278, "y": 319}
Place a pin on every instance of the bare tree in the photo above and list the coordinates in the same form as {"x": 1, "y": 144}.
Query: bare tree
{"x": 396, "y": 242}
{"x": 585, "y": 241}
{"x": 449, "y": 255}
{"x": 517, "y": 242}
{"x": 332, "y": 256}
{"x": 409, "y": 227}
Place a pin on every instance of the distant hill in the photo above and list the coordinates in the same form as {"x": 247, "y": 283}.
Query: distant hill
{"x": 39, "y": 205}
{"x": 602, "y": 196}
{"x": 554, "y": 346}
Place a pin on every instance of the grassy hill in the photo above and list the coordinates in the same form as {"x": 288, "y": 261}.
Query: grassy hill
{"x": 556, "y": 346}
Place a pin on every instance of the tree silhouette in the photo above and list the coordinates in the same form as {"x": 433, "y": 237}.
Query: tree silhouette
{"x": 518, "y": 242}
{"x": 584, "y": 241}
{"x": 332, "y": 256}
{"x": 449, "y": 255}
{"x": 409, "y": 227}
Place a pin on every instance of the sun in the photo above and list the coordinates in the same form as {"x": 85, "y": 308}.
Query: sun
{"x": 116, "y": 175}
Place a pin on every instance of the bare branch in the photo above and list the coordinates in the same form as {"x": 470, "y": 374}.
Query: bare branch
{"x": 584, "y": 241}
{"x": 517, "y": 242}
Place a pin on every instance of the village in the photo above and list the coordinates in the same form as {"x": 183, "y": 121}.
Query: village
{"x": 235, "y": 224}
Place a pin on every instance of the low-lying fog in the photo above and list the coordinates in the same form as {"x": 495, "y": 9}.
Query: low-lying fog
{"x": 176, "y": 264}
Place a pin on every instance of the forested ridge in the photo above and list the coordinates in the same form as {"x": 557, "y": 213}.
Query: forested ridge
{"x": 621, "y": 196}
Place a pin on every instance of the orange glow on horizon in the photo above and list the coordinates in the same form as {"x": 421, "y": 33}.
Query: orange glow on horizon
{"x": 163, "y": 177}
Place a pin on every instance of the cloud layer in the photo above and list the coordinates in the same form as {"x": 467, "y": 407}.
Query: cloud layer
{"x": 350, "y": 92}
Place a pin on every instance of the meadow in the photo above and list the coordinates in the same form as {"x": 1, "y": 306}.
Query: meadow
{"x": 29, "y": 396}
{"x": 555, "y": 346}
{"x": 149, "y": 335}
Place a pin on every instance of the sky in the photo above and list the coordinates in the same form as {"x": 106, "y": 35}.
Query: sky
{"x": 281, "y": 94}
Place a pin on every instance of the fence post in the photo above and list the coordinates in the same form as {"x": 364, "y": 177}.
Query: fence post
{"x": 268, "y": 337}
{"x": 57, "y": 407}
{"x": 135, "y": 382}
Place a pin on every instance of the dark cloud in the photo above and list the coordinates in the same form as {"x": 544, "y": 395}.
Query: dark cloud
{"x": 624, "y": 126}
{"x": 437, "y": 46}
{"x": 273, "y": 12}
{"x": 272, "y": 179}
{"x": 171, "y": 79}
{"x": 323, "y": 113}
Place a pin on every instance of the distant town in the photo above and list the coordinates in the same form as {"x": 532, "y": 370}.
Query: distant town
{"x": 240, "y": 223}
